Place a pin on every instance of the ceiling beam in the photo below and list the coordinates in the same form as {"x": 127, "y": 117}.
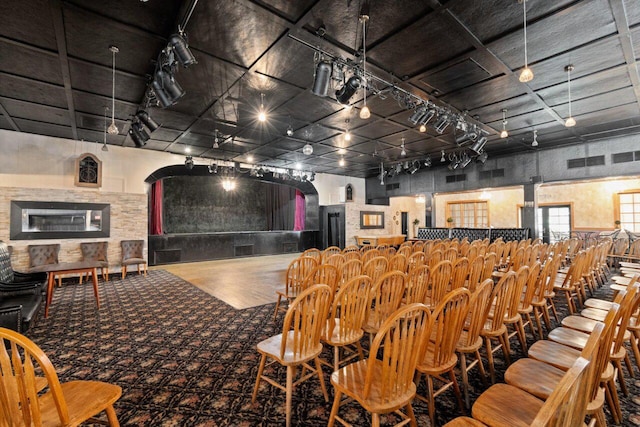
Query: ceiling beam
{"x": 7, "y": 116}
{"x": 61, "y": 41}
{"x": 622, "y": 25}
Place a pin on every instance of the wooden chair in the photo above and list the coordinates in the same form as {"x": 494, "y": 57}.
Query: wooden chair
{"x": 513, "y": 316}
{"x": 348, "y": 311}
{"x": 386, "y": 385}
{"x": 490, "y": 261}
{"x": 435, "y": 257}
{"x": 470, "y": 340}
{"x": 415, "y": 260}
{"x": 417, "y": 285}
{"x": 336, "y": 260}
{"x": 350, "y": 248}
{"x": 314, "y": 253}
{"x": 326, "y": 274}
{"x": 460, "y": 273}
{"x": 476, "y": 266}
{"x": 495, "y": 328}
{"x": 525, "y": 307}
{"x": 397, "y": 262}
{"x": 386, "y": 298}
{"x": 298, "y": 344}
{"x": 565, "y": 407}
{"x": 297, "y": 271}
{"x": 405, "y": 249}
{"x": 369, "y": 255}
{"x": 96, "y": 251}
{"x": 375, "y": 268}
{"x": 451, "y": 254}
{"x": 439, "y": 357}
{"x": 133, "y": 254}
{"x": 351, "y": 255}
{"x": 331, "y": 250}
{"x": 539, "y": 301}
{"x": 63, "y": 404}
{"x": 439, "y": 280}
{"x": 349, "y": 270}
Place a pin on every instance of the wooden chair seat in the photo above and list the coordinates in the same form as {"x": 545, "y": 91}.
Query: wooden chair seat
{"x": 464, "y": 422}
{"x": 272, "y": 345}
{"x": 534, "y": 377}
{"x": 75, "y": 394}
{"x": 490, "y": 407}
{"x": 569, "y": 337}
{"x": 600, "y": 304}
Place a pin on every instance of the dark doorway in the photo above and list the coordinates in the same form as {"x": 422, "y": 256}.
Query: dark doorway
{"x": 405, "y": 223}
{"x": 333, "y": 229}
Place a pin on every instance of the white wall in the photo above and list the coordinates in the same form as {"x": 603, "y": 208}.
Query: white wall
{"x": 328, "y": 187}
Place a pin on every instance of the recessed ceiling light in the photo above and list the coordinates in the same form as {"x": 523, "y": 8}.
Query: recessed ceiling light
{"x": 249, "y": 158}
{"x": 298, "y": 166}
{"x": 187, "y": 149}
{"x": 342, "y": 151}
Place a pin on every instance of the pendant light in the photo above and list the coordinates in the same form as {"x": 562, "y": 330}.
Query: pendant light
{"x": 504, "y": 132}
{"x": 442, "y": 158}
{"x": 113, "y": 129}
{"x": 570, "y": 122}
{"x": 526, "y": 75}
{"x": 262, "y": 115}
{"x": 347, "y": 134}
{"x": 403, "y": 152}
{"x": 365, "y": 113}
{"x": 534, "y": 143}
{"x": 104, "y": 142}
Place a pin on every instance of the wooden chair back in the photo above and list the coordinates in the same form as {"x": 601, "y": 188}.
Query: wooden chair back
{"x": 349, "y": 270}
{"x": 297, "y": 271}
{"x": 387, "y": 296}
{"x": 472, "y": 253}
{"x": 331, "y": 250}
{"x": 397, "y": 262}
{"x": 522, "y": 275}
{"x": 451, "y": 254}
{"x": 435, "y": 257}
{"x": 402, "y": 336}
{"x": 463, "y": 250}
{"x": 500, "y": 299}
{"x": 366, "y": 248}
{"x": 351, "y": 255}
{"x": 336, "y": 260}
{"x": 440, "y": 278}
{"x": 531, "y": 288}
{"x": 417, "y": 285}
{"x": 490, "y": 261}
{"x": 24, "y": 368}
{"x": 314, "y": 253}
{"x": 479, "y": 306}
{"x": 460, "y": 273}
{"x": 418, "y": 246}
{"x": 350, "y": 248}
{"x": 405, "y": 250}
{"x": 448, "y": 319}
{"x": 323, "y": 274}
{"x": 415, "y": 260}
{"x": 349, "y": 306}
{"x": 475, "y": 272}
{"x": 369, "y": 255}
{"x": 375, "y": 268}
{"x": 628, "y": 306}
{"x": 517, "y": 259}
{"x": 304, "y": 321}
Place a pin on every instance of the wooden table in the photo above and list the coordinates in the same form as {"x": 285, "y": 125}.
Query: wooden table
{"x": 54, "y": 270}
{"x": 389, "y": 239}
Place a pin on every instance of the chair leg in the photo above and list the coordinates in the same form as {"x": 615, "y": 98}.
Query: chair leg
{"x": 124, "y": 271}
{"x": 536, "y": 315}
{"x": 289, "y": 391}
{"x": 553, "y": 309}
{"x": 260, "y": 370}
{"x": 111, "y": 416}
{"x": 636, "y": 350}
{"x": 321, "y": 378}
{"x": 611, "y": 395}
{"x": 623, "y": 386}
{"x": 492, "y": 371}
{"x": 506, "y": 348}
{"x": 431, "y": 400}
{"x": 465, "y": 380}
{"x": 411, "y": 415}
{"x": 522, "y": 335}
{"x": 375, "y": 420}
{"x": 275, "y": 312}
{"x": 627, "y": 362}
{"x": 334, "y": 408}
{"x": 456, "y": 389}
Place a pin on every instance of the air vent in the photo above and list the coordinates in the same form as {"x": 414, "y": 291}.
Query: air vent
{"x": 637, "y": 153}
{"x": 622, "y": 157}
{"x": 456, "y": 178}
{"x": 493, "y": 173}
{"x": 585, "y": 161}
{"x": 394, "y": 186}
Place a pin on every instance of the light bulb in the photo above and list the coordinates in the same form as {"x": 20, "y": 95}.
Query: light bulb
{"x": 289, "y": 131}
{"x": 307, "y": 149}
{"x": 570, "y": 122}
{"x": 342, "y": 151}
{"x": 403, "y": 152}
{"x": 341, "y": 162}
{"x": 526, "y": 75}
{"x": 347, "y": 136}
{"x": 365, "y": 113}
{"x": 423, "y": 128}
{"x": 442, "y": 158}
{"x": 249, "y": 158}
{"x": 298, "y": 166}
{"x": 113, "y": 129}
{"x": 262, "y": 116}
{"x": 504, "y": 133}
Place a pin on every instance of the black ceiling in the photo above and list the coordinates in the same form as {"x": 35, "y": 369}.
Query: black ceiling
{"x": 55, "y": 74}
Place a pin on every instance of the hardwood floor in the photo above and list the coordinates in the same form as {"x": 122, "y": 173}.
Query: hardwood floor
{"x": 240, "y": 282}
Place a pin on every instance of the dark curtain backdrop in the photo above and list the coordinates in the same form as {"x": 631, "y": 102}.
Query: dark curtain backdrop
{"x": 155, "y": 220}
{"x": 280, "y": 208}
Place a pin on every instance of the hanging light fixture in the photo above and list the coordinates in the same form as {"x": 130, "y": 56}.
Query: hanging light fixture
{"x": 104, "y": 142}
{"x": 526, "y": 75}
{"x": 364, "y": 17}
{"x": 382, "y": 173}
{"x": 570, "y": 122}
{"x": 403, "y": 152}
{"x": 534, "y": 143}
{"x": 347, "y": 134}
{"x": 504, "y": 132}
{"x": 307, "y": 149}
{"x": 341, "y": 162}
{"x": 216, "y": 139}
{"x": 442, "y": 158}
{"x": 262, "y": 115}
{"x": 113, "y": 129}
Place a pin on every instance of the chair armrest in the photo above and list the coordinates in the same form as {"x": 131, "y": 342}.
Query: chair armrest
{"x": 29, "y": 277}
{"x": 11, "y": 289}
{"x": 11, "y": 318}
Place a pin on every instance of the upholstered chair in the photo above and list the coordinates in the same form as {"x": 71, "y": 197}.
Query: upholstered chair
{"x": 132, "y": 254}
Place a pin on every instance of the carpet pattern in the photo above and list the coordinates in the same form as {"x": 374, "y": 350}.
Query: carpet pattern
{"x": 185, "y": 358}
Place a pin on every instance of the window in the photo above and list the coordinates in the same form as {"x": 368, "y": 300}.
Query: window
{"x": 629, "y": 211}
{"x": 468, "y": 214}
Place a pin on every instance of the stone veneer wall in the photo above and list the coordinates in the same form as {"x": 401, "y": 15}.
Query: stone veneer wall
{"x": 128, "y": 222}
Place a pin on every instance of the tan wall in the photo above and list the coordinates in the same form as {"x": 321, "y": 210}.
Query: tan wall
{"x": 503, "y": 205}
{"x": 128, "y": 221}
{"x": 592, "y": 203}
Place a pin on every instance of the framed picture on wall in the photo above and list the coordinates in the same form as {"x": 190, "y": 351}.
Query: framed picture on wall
{"x": 348, "y": 193}
{"x": 88, "y": 171}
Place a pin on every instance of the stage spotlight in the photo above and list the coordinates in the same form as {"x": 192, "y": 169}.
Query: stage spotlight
{"x": 181, "y": 50}
{"x": 166, "y": 88}
{"x": 138, "y": 134}
{"x": 465, "y": 160}
{"x": 188, "y": 162}
{"x": 322, "y": 79}
{"x": 427, "y": 117}
{"x": 213, "y": 168}
{"x": 417, "y": 115}
{"x": 482, "y": 157}
{"x": 312, "y": 177}
{"x": 344, "y": 94}
{"x": 146, "y": 119}
{"x": 414, "y": 167}
{"x": 479, "y": 144}
{"x": 442, "y": 123}
{"x": 427, "y": 162}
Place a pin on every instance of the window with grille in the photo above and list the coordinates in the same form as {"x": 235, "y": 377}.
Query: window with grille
{"x": 629, "y": 208}
{"x": 468, "y": 214}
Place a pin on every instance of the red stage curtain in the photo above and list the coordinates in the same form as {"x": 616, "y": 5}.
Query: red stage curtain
{"x": 300, "y": 212}
{"x": 155, "y": 223}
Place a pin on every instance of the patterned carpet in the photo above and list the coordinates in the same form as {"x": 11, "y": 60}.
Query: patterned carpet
{"x": 185, "y": 358}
